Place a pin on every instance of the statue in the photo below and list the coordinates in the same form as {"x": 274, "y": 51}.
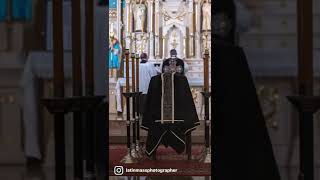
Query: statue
{"x": 206, "y": 16}
{"x": 114, "y": 54}
{"x": 139, "y": 16}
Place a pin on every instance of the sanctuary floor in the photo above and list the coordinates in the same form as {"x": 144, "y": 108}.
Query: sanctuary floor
{"x": 166, "y": 158}
{"x": 9, "y": 172}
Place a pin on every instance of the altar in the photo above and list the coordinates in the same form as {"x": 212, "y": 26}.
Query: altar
{"x": 155, "y": 27}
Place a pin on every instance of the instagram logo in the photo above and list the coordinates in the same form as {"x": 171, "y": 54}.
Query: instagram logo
{"x": 118, "y": 170}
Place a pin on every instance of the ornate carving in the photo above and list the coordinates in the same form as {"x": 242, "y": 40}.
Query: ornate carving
{"x": 179, "y": 14}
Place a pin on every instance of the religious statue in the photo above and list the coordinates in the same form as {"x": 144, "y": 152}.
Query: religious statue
{"x": 139, "y": 16}
{"x": 114, "y": 54}
{"x": 206, "y": 16}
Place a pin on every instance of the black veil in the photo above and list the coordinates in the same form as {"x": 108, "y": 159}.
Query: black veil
{"x": 241, "y": 144}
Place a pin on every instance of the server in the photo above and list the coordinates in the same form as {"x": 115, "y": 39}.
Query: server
{"x": 146, "y": 71}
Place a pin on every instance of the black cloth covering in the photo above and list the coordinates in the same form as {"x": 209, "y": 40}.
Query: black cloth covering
{"x": 169, "y": 134}
{"x": 241, "y": 144}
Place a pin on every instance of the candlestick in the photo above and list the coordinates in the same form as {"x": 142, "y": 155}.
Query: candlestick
{"x": 137, "y": 73}
{"x": 206, "y": 70}
{"x": 163, "y": 47}
{"x": 77, "y": 87}
{"x": 127, "y": 70}
{"x": 89, "y": 84}
{"x": 58, "y": 80}
{"x": 133, "y": 75}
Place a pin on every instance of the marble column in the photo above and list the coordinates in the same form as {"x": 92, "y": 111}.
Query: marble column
{"x": 191, "y": 31}
{"x": 119, "y": 15}
{"x": 151, "y": 29}
{"x": 185, "y": 46}
{"x": 128, "y": 24}
{"x": 163, "y": 47}
{"x": 198, "y": 25}
{"x": 156, "y": 28}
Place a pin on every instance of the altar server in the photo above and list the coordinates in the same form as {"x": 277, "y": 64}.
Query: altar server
{"x": 146, "y": 71}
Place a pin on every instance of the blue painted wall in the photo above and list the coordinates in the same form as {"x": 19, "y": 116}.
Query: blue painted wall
{"x": 22, "y": 10}
{"x": 3, "y": 10}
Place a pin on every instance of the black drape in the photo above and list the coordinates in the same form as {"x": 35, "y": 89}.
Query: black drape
{"x": 171, "y": 134}
{"x": 241, "y": 144}
{"x": 228, "y": 8}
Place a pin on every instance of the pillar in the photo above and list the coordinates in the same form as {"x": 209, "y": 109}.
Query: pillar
{"x": 151, "y": 29}
{"x": 156, "y": 28}
{"x": 198, "y": 25}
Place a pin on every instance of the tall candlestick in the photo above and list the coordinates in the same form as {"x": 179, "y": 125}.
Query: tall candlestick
{"x": 133, "y": 75}
{"x": 127, "y": 70}
{"x": 305, "y": 47}
{"x": 89, "y": 84}
{"x": 58, "y": 80}
{"x": 206, "y": 70}
{"x": 305, "y": 81}
{"x": 163, "y": 47}
{"x": 77, "y": 87}
{"x": 137, "y": 72}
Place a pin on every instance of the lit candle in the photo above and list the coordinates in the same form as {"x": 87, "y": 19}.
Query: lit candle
{"x": 133, "y": 79}
{"x": 137, "y": 72}
{"x": 206, "y": 70}
{"x": 127, "y": 70}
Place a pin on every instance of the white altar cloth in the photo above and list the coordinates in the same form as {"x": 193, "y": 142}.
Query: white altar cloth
{"x": 193, "y": 82}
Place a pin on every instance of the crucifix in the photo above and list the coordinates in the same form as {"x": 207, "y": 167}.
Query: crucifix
{"x": 174, "y": 41}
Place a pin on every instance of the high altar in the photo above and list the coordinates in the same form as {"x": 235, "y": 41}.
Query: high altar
{"x": 157, "y": 26}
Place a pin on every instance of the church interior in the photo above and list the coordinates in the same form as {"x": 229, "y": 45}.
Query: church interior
{"x": 56, "y": 55}
{"x": 155, "y": 28}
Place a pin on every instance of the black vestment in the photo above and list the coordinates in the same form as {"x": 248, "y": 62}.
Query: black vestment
{"x": 179, "y": 63}
{"x": 241, "y": 144}
{"x": 185, "y": 116}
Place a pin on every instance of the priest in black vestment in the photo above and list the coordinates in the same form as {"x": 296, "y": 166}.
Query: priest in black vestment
{"x": 181, "y": 66}
{"x": 170, "y": 113}
{"x": 241, "y": 145}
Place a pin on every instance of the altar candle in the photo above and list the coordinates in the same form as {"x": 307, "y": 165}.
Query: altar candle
{"x": 206, "y": 70}
{"x": 305, "y": 47}
{"x": 127, "y": 70}
{"x": 89, "y": 41}
{"x": 58, "y": 66}
{"x": 137, "y": 72}
{"x": 77, "y": 87}
{"x": 58, "y": 80}
{"x": 133, "y": 77}
{"x": 76, "y": 49}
